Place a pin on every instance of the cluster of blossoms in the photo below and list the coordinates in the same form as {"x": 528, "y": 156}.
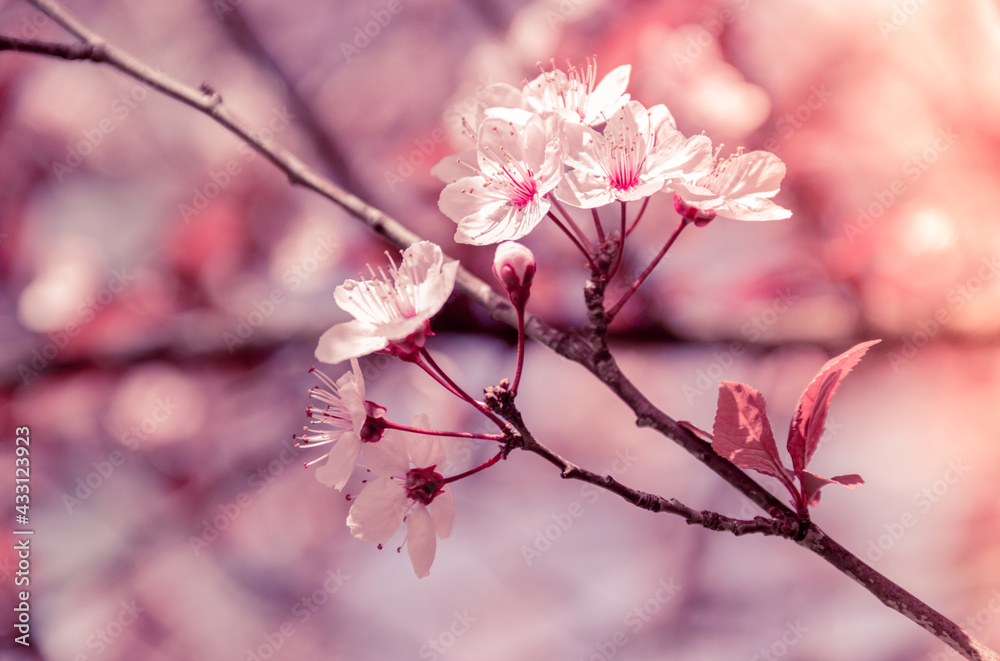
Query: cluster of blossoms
{"x": 391, "y": 315}
{"x": 563, "y": 140}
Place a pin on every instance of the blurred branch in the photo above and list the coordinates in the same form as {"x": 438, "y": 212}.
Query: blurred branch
{"x": 329, "y": 148}
{"x": 591, "y": 352}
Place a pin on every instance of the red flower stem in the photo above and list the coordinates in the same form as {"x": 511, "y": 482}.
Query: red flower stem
{"x": 455, "y": 388}
{"x": 433, "y": 432}
{"x": 419, "y": 362}
{"x": 621, "y": 242}
{"x": 572, "y": 238}
{"x": 597, "y": 224}
{"x": 642, "y": 210}
{"x": 520, "y": 348}
{"x": 645, "y": 274}
{"x": 569, "y": 221}
{"x": 475, "y": 470}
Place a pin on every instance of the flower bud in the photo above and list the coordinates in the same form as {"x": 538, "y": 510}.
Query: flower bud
{"x": 514, "y": 267}
{"x": 693, "y": 214}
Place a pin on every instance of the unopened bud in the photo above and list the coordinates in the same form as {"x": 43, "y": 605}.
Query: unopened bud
{"x": 514, "y": 267}
{"x": 691, "y": 214}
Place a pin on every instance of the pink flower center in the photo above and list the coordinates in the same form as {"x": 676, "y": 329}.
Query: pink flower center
{"x": 569, "y": 90}
{"x": 522, "y": 188}
{"x": 510, "y": 176}
{"x": 625, "y": 156}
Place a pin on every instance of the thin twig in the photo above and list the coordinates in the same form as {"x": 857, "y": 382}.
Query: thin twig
{"x": 501, "y": 400}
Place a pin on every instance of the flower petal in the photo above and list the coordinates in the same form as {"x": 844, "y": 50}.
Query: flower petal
{"x": 609, "y": 95}
{"x": 341, "y": 462}
{"x": 349, "y": 340}
{"x": 442, "y": 510}
{"x": 421, "y": 542}
{"x": 425, "y": 451}
{"x": 387, "y": 456}
{"x": 351, "y": 390}
{"x": 378, "y": 511}
{"x": 455, "y": 166}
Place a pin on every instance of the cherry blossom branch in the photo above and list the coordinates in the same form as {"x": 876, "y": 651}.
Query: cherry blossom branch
{"x": 810, "y": 536}
{"x": 593, "y": 353}
{"x": 894, "y": 596}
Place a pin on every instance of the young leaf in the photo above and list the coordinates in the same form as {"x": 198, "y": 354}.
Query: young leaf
{"x": 743, "y": 433}
{"x": 812, "y": 483}
{"x": 809, "y": 420}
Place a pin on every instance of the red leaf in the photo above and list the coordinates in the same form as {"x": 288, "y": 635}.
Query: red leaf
{"x": 809, "y": 420}
{"x": 812, "y": 483}
{"x": 743, "y": 433}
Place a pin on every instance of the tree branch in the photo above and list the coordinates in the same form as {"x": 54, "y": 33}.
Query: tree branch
{"x": 592, "y": 354}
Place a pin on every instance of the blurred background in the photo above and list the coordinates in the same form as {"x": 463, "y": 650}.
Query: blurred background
{"x": 164, "y": 288}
